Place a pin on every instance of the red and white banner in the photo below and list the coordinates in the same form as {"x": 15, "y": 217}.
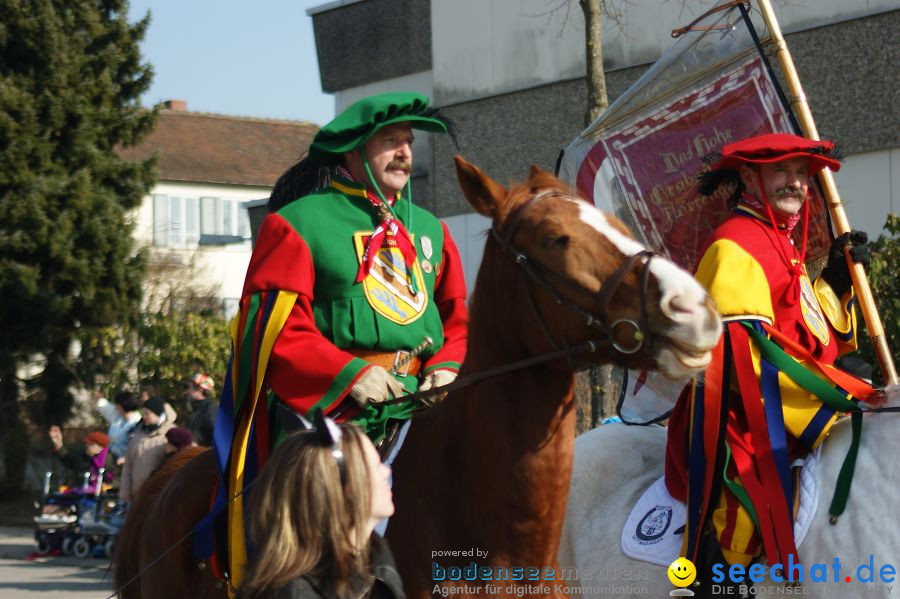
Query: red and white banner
{"x": 645, "y": 170}
{"x": 640, "y": 159}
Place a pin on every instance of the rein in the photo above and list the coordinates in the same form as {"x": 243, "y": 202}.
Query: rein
{"x": 540, "y": 274}
{"x": 588, "y": 346}
{"x": 476, "y": 377}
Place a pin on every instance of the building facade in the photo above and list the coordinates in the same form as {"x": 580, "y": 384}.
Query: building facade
{"x": 210, "y": 167}
{"x": 510, "y": 73}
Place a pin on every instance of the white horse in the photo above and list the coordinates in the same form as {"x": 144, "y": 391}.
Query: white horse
{"x": 615, "y": 463}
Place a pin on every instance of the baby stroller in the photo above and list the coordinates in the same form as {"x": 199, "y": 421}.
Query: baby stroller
{"x": 80, "y": 523}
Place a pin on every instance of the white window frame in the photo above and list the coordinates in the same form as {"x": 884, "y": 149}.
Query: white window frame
{"x": 228, "y": 215}
{"x": 176, "y": 221}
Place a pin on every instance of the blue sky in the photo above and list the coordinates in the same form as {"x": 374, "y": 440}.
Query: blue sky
{"x": 235, "y": 57}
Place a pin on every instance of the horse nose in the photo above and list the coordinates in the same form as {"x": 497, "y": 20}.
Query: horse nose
{"x": 684, "y": 306}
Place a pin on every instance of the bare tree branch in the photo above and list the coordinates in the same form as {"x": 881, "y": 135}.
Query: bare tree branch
{"x": 596, "y": 78}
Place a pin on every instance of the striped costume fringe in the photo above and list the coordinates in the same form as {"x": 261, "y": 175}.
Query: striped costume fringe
{"x": 741, "y": 443}
{"x": 241, "y": 439}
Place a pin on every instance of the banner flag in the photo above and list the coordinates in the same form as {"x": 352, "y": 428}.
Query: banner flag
{"x": 640, "y": 159}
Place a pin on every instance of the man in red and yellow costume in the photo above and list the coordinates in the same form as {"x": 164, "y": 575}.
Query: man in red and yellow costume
{"x": 771, "y": 393}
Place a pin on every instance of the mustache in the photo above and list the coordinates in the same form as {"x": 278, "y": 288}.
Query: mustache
{"x": 399, "y": 164}
{"x": 789, "y": 192}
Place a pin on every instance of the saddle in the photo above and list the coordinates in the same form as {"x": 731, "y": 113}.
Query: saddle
{"x": 654, "y": 530}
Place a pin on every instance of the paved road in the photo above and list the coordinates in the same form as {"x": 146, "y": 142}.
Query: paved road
{"x": 47, "y": 577}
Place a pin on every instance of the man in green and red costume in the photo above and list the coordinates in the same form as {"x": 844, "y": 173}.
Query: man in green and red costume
{"x": 771, "y": 393}
{"x": 346, "y": 276}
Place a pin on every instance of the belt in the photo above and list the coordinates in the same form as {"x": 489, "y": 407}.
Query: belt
{"x": 396, "y": 361}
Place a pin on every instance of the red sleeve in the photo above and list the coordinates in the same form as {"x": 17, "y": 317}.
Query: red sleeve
{"x": 450, "y": 298}
{"x": 280, "y": 260}
{"x": 305, "y": 369}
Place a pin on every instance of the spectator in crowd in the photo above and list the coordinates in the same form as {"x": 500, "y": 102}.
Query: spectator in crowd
{"x": 91, "y": 459}
{"x": 123, "y": 416}
{"x": 203, "y": 409}
{"x": 148, "y": 390}
{"x": 177, "y": 438}
{"x": 146, "y": 450}
{"x": 315, "y": 506}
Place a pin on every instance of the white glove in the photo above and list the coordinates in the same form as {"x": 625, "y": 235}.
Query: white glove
{"x": 437, "y": 378}
{"x": 376, "y": 385}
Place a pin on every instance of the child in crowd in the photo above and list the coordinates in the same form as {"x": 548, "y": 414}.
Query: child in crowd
{"x": 91, "y": 459}
{"x": 177, "y": 438}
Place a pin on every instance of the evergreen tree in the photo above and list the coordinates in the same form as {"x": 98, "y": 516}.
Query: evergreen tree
{"x": 882, "y": 273}
{"x": 70, "y": 80}
{"x": 181, "y": 329}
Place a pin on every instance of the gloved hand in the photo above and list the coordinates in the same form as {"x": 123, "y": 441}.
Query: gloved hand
{"x": 376, "y": 385}
{"x": 437, "y": 378}
{"x": 837, "y": 273}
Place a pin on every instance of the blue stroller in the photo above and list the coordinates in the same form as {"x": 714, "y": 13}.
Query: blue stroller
{"x": 81, "y": 523}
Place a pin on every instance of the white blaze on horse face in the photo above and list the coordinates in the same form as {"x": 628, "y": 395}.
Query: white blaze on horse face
{"x": 695, "y": 327}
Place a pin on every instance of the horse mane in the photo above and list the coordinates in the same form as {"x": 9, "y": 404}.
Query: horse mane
{"x": 126, "y": 559}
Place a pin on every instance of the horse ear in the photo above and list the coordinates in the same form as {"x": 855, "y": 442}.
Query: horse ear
{"x": 483, "y": 193}
{"x": 535, "y": 171}
{"x": 538, "y": 177}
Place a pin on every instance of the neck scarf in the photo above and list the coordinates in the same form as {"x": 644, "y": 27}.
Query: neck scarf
{"x": 390, "y": 232}
{"x": 149, "y": 428}
{"x": 785, "y": 222}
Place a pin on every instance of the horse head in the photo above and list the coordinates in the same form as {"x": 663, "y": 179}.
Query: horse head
{"x": 582, "y": 277}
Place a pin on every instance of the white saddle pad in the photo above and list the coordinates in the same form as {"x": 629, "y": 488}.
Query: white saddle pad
{"x": 654, "y": 531}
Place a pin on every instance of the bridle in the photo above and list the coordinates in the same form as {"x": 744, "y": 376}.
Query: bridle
{"x": 542, "y": 275}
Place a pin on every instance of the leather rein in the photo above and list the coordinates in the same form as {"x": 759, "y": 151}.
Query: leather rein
{"x": 542, "y": 275}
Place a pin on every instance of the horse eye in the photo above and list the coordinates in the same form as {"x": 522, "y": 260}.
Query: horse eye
{"x": 559, "y": 242}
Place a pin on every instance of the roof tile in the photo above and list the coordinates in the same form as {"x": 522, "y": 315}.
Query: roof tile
{"x": 213, "y": 148}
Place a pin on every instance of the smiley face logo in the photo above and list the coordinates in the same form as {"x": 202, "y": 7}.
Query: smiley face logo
{"x": 682, "y": 572}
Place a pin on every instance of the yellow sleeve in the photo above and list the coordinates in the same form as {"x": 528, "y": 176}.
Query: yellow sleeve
{"x": 739, "y": 285}
{"x": 736, "y": 281}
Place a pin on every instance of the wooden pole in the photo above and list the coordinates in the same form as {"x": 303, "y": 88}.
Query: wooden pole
{"x": 835, "y": 206}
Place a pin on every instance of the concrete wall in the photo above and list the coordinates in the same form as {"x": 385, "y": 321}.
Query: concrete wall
{"x": 510, "y": 74}
{"x": 483, "y": 48}
{"x": 849, "y": 71}
{"x": 469, "y": 231}
{"x": 351, "y": 36}
{"x": 869, "y": 186}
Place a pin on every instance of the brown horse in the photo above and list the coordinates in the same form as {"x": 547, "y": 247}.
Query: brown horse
{"x": 488, "y": 469}
{"x": 486, "y": 473}
{"x": 169, "y": 504}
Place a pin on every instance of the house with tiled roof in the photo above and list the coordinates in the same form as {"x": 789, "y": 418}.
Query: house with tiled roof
{"x": 210, "y": 166}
